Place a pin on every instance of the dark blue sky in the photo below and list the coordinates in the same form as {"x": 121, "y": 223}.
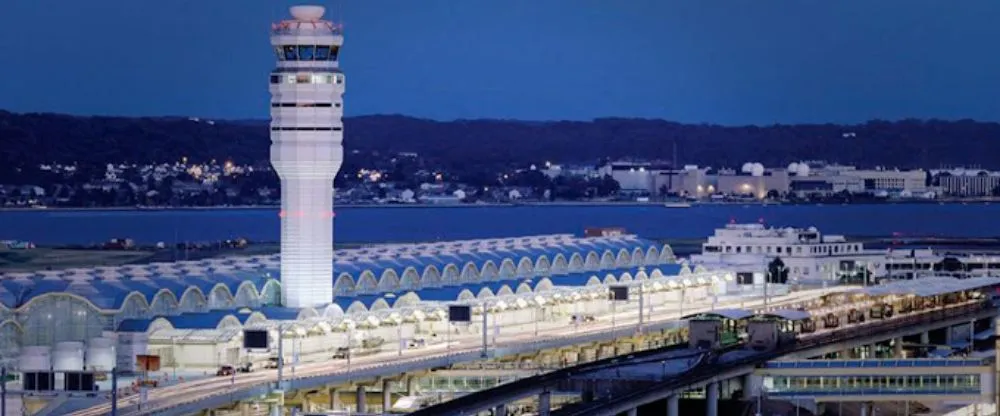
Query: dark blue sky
{"x": 731, "y": 62}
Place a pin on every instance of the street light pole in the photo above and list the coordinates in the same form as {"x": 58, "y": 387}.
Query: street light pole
{"x": 536, "y": 318}
{"x": 641, "y": 301}
{"x": 486, "y": 311}
{"x": 114, "y": 391}
{"x": 681, "y": 303}
{"x": 350, "y": 348}
{"x": 399, "y": 336}
{"x": 614, "y": 319}
{"x": 576, "y": 315}
{"x": 173, "y": 356}
{"x": 3, "y": 389}
{"x": 281, "y": 354}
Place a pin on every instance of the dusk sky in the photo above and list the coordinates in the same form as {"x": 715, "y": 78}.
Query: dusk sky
{"x": 729, "y": 62}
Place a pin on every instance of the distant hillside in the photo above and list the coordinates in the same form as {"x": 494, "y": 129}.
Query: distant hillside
{"x": 37, "y": 138}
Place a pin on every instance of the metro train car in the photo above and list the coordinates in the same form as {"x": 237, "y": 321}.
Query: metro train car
{"x": 831, "y": 320}
{"x": 773, "y": 328}
{"x": 855, "y": 316}
{"x": 807, "y": 326}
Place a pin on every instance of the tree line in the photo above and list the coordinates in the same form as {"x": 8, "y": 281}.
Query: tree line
{"x": 490, "y": 145}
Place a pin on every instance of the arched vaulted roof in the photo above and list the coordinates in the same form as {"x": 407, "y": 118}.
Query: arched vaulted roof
{"x": 109, "y": 288}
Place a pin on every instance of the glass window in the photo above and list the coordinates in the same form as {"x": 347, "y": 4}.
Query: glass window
{"x": 322, "y": 53}
{"x": 307, "y": 52}
{"x": 279, "y": 53}
{"x": 291, "y": 53}
{"x": 275, "y": 79}
{"x": 334, "y": 51}
{"x": 303, "y": 78}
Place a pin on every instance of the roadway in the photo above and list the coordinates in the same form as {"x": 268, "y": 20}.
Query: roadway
{"x": 185, "y": 397}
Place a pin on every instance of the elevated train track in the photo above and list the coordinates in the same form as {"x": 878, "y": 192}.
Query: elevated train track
{"x": 854, "y": 320}
{"x": 714, "y": 371}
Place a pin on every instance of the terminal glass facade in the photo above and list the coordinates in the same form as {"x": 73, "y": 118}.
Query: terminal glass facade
{"x": 873, "y": 384}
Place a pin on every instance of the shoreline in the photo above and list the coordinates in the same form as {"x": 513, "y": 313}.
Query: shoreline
{"x": 64, "y": 257}
{"x": 582, "y": 204}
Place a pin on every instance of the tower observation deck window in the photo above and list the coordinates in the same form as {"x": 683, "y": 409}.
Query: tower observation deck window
{"x": 322, "y": 53}
{"x": 307, "y": 52}
{"x": 307, "y": 78}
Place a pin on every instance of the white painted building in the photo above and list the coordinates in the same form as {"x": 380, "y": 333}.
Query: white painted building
{"x": 642, "y": 177}
{"x": 967, "y": 182}
{"x": 880, "y": 179}
{"x": 307, "y": 131}
{"x": 809, "y": 255}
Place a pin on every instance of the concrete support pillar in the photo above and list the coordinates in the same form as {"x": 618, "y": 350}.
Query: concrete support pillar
{"x": 972, "y": 334}
{"x": 306, "y": 404}
{"x": 589, "y": 392}
{"x": 947, "y": 335}
{"x": 749, "y": 387}
{"x": 411, "y": 386}
{"x": 897, "y": 348}
{"x": 276, "y": 409}
{"x": 334, "y": 398}
{"x": 673, "y": 405}
{"x": 864, "y": 409}
{"x": 925, "y": 338}
{"x": 386, "y": 395}
{"x": 633, "y": 411}
{"x": 544, "y": 403}
{"x": 500, "y": 410}
{"x": 362, "y": 399}
{"x": 245, "y": 409}
{"x": 712, "y": 399}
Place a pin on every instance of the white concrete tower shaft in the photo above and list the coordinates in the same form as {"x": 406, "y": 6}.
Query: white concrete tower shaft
{"x": 307, "y": 133}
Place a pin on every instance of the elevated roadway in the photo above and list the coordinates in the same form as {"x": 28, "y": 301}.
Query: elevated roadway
{"x": 700, "y": 375}
{"x": 193, "y": 396}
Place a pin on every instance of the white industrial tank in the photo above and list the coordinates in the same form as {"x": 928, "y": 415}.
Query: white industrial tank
{"x": 100, "y": 354}
{"x": 35, "y": 358}
{"x": 68, "y": 356}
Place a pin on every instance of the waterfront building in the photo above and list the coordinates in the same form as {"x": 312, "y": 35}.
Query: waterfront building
{"x": 809, "y": 255}
{"x": 640, "y": 177}
{"x": 756, "y": 183}
{"x": 968, "y": 182}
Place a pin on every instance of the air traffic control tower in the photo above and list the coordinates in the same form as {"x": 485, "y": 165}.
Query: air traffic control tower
{"x": 307, "y": 134}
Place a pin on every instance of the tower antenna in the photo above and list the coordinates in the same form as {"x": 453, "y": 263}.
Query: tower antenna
{"x": 340, "y": 13}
